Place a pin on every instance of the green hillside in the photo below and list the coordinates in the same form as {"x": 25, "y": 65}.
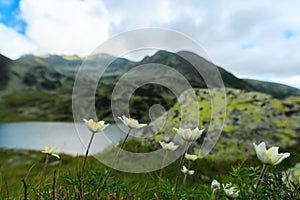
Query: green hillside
{"x": 250, "y": 117}
{"x": 277, "y": 90}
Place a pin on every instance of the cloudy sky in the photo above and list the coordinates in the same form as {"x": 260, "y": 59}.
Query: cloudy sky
{"x": 254, "y": 39}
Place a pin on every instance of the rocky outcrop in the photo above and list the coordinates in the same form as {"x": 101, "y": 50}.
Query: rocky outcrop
{"x": 249, "y": 117}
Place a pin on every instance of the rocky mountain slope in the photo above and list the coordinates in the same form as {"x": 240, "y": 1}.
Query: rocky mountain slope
{"x": 249, "y": 117}
{"x": 39, "y": 88}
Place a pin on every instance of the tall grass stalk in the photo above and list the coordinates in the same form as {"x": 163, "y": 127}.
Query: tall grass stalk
{"x": 25, "y": 189}
{"x": 6, "y": 189}
{"x": 53, "y": 185}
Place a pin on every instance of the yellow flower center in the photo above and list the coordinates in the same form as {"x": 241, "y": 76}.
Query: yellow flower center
{"x": 48, "y": 149}
{"x": 131, "y": 119}
{"x": 268, "y": 154}
{"x": 95, "y": 123}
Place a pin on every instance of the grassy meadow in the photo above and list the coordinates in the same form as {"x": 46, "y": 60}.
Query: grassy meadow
{"x": 17, "y": 165}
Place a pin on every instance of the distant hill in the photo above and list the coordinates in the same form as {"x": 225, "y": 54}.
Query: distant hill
{"x": 39, "y": 88}
{"x": 277, "y": 90}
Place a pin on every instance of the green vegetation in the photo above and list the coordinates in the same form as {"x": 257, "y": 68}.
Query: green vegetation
{"x": 35, "y": 106}
{"x": 249, "y": 117}
{"x": 23, "y": 164}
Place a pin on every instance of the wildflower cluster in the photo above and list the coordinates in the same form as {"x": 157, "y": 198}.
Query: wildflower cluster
{"x": 269, "y": 157}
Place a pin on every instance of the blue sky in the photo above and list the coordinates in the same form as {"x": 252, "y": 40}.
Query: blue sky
{"x": 289, "y": 34}
{"x": 10, "y": 15}
{"x": 255, "y": 39}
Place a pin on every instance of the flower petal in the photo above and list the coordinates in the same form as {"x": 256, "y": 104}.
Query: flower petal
{"x": 122, "y": 120}
{"x": 101, "y": 122}
{"x": 278, "y": 159}
{"x": 184, "y": 169}
{"x": 260, "y": 147}
{"x": 162, "y": 144}
{"x": 273, "y": 150}
{"x": 55, "y": 155}
{"x": 131, "y": 123}
{"x": 215, "y": 185}
{"x": 191, "y": 157}
{"x": 191, "y": 172}
{"x": 142, "y": 125}
{"x": 176, "y": 129}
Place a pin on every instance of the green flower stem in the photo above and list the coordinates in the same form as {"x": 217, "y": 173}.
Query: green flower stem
{"x": 86, "y": 155}
{"x": 118, "y": 154}
{"x": 44, "y": 168}
{"x": 261, "y": 176}
{"x": 185, "y": 176}
{"x": 180, "y": 167}
{"x": 83, "y": 166}
{"x": 162, "y": 166}
{"x": 123, "y": 144}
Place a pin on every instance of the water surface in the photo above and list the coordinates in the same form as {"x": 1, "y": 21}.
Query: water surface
{"x": 66, "y": 137}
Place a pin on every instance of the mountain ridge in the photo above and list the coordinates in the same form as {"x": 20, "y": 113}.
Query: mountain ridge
{"x": 73, "y": 62}
{"x": 277, "y": 90}
{"x": 40, "y": 88}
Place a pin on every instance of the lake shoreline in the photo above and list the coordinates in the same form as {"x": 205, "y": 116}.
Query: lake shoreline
{"x": 66, "y": 137}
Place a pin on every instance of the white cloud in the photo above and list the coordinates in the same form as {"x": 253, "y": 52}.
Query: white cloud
{"x": 66, "y": 27}
{"x": 14, "y": 44}
{"x": 291, "y": 80}
{"x": 222, "y": 27}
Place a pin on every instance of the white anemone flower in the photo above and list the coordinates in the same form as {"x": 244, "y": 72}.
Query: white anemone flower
{"x": 171, "y": 146}
{"x": 186, "y": 171}
{"x": 95, "y": 127}
{"x": 50, "y": 151}
{"x": 191, "y": 157}
{"x": 231, "y": 191}
{"x": 188, "y": 134}
{"x": 131, "y": 123}
{"x": 270, "y": 156}
{"x": 215, "y": 185}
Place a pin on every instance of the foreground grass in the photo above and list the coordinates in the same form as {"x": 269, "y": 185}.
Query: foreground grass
{"x": 23, "y": 164}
